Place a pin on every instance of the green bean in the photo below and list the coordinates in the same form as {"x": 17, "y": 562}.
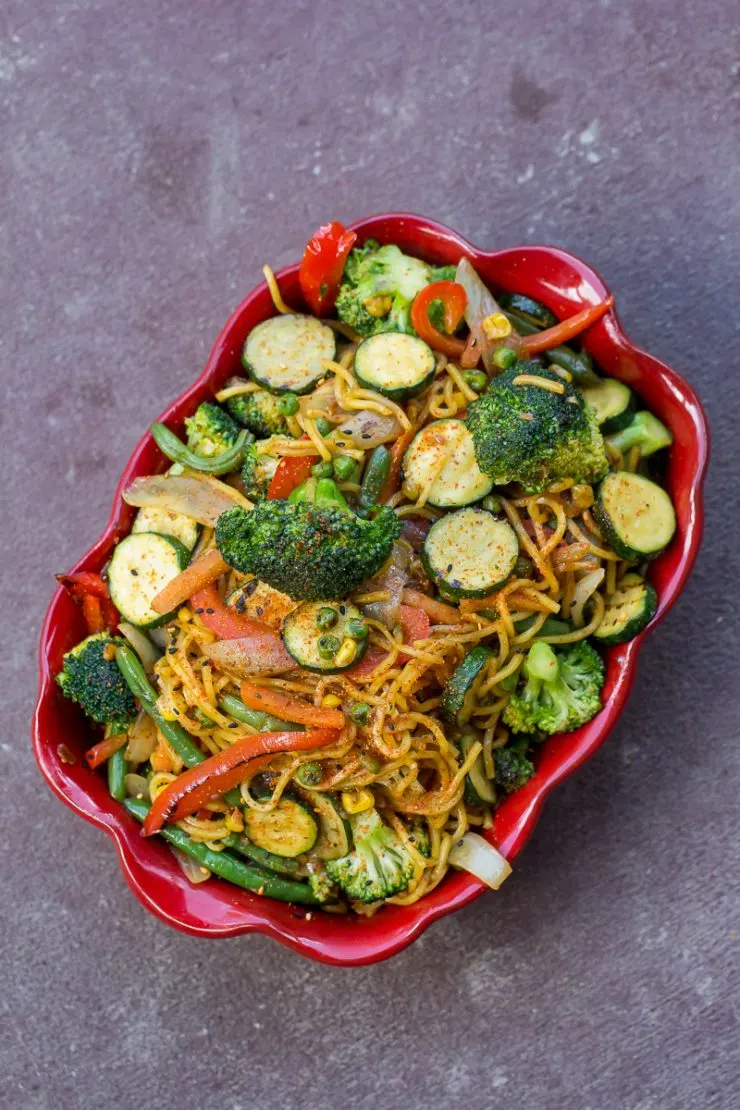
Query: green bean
{"x": 322, "y": 470}
{"x": 534, "y": 310}
{"x": 118, "y": 768}
{"x": 343, "y": 467}
{"x": 578, "y": 363}
{"x": 227, "y": 866}
{"x": 263, "y": 722}
{"x": 175, "y": 449}
{"x": 139, "y": 685}
{"x": 262, "y": 858}
{"x": 375, "y": 476}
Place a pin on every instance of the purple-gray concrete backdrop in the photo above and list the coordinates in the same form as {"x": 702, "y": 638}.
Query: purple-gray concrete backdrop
{"x": 154, "y": 155}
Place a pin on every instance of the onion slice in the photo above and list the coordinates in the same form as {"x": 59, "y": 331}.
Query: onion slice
{"x": 365, "y": 430}
{"x": 481, "y": 304}
{"x": 250, "y": 656}
{"x": 474, "y": 854}
{"x": 193, "y": 871}
{"x": 142, "y": 645}
{"x": 195, "y": 495}
{"x": 391, "y": 579}
{"x": 585, "y": 587}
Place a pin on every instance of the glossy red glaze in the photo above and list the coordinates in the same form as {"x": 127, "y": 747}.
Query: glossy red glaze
{"x": 216, "y": 909}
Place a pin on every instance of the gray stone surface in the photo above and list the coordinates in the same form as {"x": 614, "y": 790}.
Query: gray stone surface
{"x": 154, "y": 154}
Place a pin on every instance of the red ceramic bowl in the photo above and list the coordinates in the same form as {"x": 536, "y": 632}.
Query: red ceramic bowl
{"x": 216, "y": 909}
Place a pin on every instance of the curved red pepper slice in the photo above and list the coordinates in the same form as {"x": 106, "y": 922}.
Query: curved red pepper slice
{"x": 322, "y": 266}
{"x": 454, "y": 299}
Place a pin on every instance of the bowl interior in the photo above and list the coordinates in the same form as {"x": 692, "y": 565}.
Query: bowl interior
{"x": 61, "y": 733}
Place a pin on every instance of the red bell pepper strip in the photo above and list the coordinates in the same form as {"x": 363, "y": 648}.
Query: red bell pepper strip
{"x": 224, "y": 620}
{"x": 86, "y": 587}
{"x": 213, "y": 778}
{"x": 454, "y": 299}
{"x": 415, "y": 625}
{"x": 322, "y": 266}
{"x": 565, "y": 330}
{"x": 102, "y": 752}
{"x": 288, "y": 708}
{"x": 291, "y": 472}
{"x": 439, "y": 612}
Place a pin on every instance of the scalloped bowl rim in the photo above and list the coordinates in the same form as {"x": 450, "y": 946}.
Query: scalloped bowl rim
{"x": 155, "y": 882}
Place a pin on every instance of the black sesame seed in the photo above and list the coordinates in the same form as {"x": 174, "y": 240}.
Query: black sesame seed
{"x": 172, "y": 650}
{"x": 342, "y": 444}
{"x": 342, "y": 609}
{"x": 233, "y": 725}
{"x": 134, "y": 572}
{"x": 210, "y": 610}
{"x": 449, "y": 568}
{"x": 199, "y": 610}
{"x": 366, "y": 435}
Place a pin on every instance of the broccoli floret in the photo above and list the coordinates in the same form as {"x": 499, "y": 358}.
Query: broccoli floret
{"x": 312, "y": 546}
{"x": 378, "y": 287}
{"x": 645, "y": 432}
{"x": 378, "y": 867}
{"x": 321, "y": 885}
{"x": 90, "y": 676}
{"x": 527, "y": 434}
{"x": 259, "y": 411}
{"x": 258, "y": 471}
{"x": 560, "y": 691}
{"x": 210, "y": 430}
{"x": 512, "y": 767}
{"x": 419, "y": 831}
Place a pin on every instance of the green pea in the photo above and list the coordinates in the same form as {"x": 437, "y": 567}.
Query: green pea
{"x": 360, "y": 713}
{"x": 328, "y": 646}
{"x": 355, "y": 628}
{"x": 492, "y": 504}
{"x": 288, "y": 404}
{"x": 524, "y": 567}
{"x": 504, "y": 357}
{"x": 322, "y": 470}
{"x": 344, "y": 467}
{"x": 323, "y": 426}
{"x": 309, "y": 774}
{"x": 326, "y": 618}
{"x": 476, "y": 379}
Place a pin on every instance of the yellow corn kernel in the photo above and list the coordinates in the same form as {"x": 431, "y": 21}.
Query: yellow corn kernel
{"x": 346, "y": 653}
{"x": 330, "y": 701}
{"x": 561, "y": 373}
{"x": 183, "y": 614}
{"x": 357, "y": 801}
{"x": 497, "y": 326}
{"x": 235, "y": 820}
{"x": 379, "y": 305}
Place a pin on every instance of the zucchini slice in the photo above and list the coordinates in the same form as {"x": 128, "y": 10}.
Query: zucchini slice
{"x": 635, "y": 515}
{"x": 628, "y": 610}
{"x": 333, "y": 840}
{"x": 614, "y": 404}
{"x": 310, "y": 633}
{"x": 141, "y": 566}
{"x": 469, "y": 553}
{"x": 288, "y": 830}
{"x": 165, "y": 523}
{"x": 479, "y": 790}
{"x": 286, "y": 354}
{"x": 445, "y": 449}
{"x": 457, "y": 699}
{"x": 394, "y": 364}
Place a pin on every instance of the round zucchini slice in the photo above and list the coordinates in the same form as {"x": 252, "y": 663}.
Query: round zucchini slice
{"x": 445, "y": 449}
{"x": 286, "y": 354}
{"x": 479, "y": 790}
{"x": 636, "y": 516}
{"x": 470, "y": 553}
{"x": 325, "y": 635}
{"x": 288, "y": 830}
{"x": 165, "y": 523}
{"x": 140, "y": 568}
{"x": 628, "y": 610}
{"x": 613, "y": 402}
{"x": 457, "y": 699}
{"x": 394, "y": 364}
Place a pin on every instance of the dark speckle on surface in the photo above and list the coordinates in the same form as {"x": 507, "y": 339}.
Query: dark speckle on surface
{"x": 155, "y": 155}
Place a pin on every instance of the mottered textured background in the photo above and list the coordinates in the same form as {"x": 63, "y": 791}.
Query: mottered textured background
{"x": 154, "y": 154}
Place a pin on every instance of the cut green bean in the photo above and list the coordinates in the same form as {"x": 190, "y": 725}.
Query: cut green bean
{"x": 578, "y": 363}
{"x": 118, "y": 768}
{"x": 227, "y": 866}
{"x": 169, "y": 444}
{"x": 263, "y": 722}
{"x": 375, "y": 476}
{"x": 139, "y": 685}
{"x": 264, "y": 859}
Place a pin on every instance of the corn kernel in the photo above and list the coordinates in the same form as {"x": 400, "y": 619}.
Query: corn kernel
{"x": 183, "y": 614}
{"x": 235, "y": 820}
{"x": 379, "y": 305}
{"x": 357, "y": 801}
{"x": 330, "y": 701}
{"x": 497, "y": 326}
{"x": 346, "y": 653}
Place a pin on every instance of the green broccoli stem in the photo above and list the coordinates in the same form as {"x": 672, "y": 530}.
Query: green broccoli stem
{"x": 227, "y": 866}
{"x": 322, "y": 492}
{"x": 178, "y": 452}
{"x": 541, "y": 663}
{"x": 645, "y": 432}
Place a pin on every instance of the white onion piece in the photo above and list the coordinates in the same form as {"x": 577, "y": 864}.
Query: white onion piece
{"x": 141, "y": 644}
{"x": 250, "y": 656}
{"x": 193, "y": 871}
{"x": 160, "y": 636}
{"x": 392, "y": 578}
{"x": 136, "y": 786}
{"x": 365, "y": 430}
{"x": 474, "y": 854}
{"x": 142, "y": 739}
{"x": 198, "y": 496}
{"x": 481, "y": 304}
{"x": 585, "y": 587}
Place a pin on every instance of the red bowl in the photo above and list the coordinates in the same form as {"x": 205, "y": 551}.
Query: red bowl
{"x": 217, "y": 909}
